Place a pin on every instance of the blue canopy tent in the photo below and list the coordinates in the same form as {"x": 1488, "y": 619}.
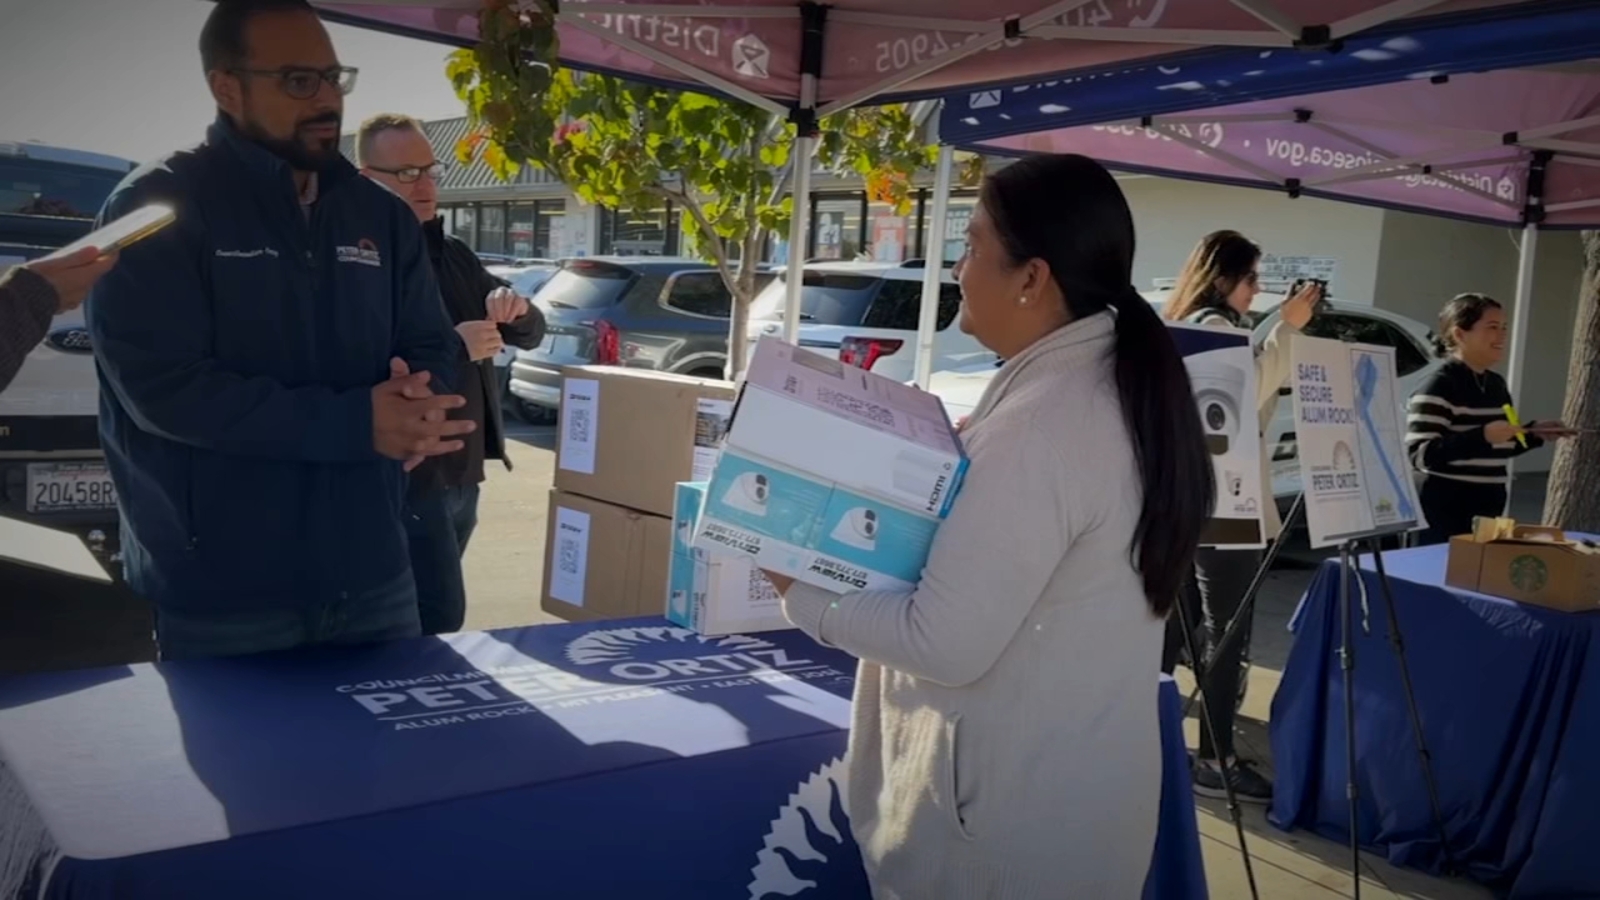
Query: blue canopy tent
{"x": 1482, "y": 105}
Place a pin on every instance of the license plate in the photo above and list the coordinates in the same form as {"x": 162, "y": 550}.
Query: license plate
{"x": 70, "y": 487}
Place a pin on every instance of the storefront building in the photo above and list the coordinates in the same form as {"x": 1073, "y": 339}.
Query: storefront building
{"x": 535, "y": 216}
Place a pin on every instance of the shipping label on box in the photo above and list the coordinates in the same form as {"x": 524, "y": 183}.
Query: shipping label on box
{"x": 627, "y": 436}
{"x": 818, "y": 533}
{"x": 603, "y": 561}
{"x": 848, "y": 427}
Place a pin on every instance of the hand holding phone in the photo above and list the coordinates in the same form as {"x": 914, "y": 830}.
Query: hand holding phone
{"x": 124, "y": 232}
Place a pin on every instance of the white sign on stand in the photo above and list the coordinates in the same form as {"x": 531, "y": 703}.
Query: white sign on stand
{"x": 1350, "y": 431}
{"x": 1222, "y": 372}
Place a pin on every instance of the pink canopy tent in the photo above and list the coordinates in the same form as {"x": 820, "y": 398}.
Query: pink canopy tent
{"x": 1519, "y": 148}
{"x": 805, "y": 59}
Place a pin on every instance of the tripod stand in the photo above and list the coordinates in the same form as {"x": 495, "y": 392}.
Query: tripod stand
{"x": 1206, "y": 702}
{"x": 1349, "y": 578}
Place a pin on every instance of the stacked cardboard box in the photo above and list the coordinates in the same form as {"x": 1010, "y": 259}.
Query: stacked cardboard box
{"x": 1526, "y": 563}
{"x": 627, "y": 437}
{"x": 831, "y": 475}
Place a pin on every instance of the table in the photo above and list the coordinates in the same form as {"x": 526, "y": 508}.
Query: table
{"x": 1509, "y": 697}
{"x": 481, "y": 764}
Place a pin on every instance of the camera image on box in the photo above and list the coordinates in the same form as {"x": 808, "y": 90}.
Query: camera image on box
{"x": 858, "y": 528}
{"x": 749, "y": 493}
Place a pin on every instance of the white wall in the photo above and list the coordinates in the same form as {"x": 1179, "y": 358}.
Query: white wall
{"x": 1425, "y": 261}
{"x": 1172, "y": 216}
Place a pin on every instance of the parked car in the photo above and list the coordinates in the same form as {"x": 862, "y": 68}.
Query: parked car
{"x": 868, "y": 312}
{"x": 670, "y": 315}
{"x": 525, "y": 277}
{"x": 1415, "y": 361}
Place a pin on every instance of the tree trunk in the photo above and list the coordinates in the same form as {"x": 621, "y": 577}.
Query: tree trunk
{"x": 738, "y": 322}
{"x": 1573, "y": 499}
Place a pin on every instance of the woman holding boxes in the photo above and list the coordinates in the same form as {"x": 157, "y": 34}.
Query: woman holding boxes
{"x": 1006, "y": 741}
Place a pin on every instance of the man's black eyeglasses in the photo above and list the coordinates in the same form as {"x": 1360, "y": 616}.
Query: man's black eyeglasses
{"x": 411, "y": 174}
{"x": 303, "y": 84}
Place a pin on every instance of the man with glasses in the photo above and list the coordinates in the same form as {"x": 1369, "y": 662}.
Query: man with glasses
{"x": 271, "y": 363}
{"x": 442, "y": 503}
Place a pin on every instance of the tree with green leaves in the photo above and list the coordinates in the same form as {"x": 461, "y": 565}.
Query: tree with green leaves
{"x": 725, "y": 164}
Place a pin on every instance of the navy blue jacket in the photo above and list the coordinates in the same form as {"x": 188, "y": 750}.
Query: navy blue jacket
{"x": 237, "y": 351}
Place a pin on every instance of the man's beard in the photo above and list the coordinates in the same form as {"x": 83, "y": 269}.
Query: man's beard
{"x": 295, "y": 151}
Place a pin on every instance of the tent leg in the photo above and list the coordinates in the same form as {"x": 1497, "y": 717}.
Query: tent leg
{"x": 799, "y": 232}
{"x": 1527, "y": 257}
{"x": 928, "y": 314}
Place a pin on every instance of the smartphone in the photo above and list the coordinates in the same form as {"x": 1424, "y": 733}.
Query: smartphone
{"x": 124, "y": 232}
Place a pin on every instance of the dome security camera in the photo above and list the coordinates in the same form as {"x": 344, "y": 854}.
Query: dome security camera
{"x": 1218, "y": 392}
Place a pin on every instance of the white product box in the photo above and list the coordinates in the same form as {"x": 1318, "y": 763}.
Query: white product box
{"x": 715, "y": 594}
{"x": 848, "y": 428}
{"x": 812, "y": 531}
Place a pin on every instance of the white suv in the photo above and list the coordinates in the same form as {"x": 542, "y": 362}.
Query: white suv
{"x": 867, "y": 312}
{"x": 1415, "y": 361}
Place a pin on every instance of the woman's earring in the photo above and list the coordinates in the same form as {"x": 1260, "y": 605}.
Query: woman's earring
{"x": 1023, "y": 300}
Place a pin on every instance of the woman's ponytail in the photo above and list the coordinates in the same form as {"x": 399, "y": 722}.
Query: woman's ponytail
{"x": 1069, "y": 212}
{"x": 1169, "y": 446}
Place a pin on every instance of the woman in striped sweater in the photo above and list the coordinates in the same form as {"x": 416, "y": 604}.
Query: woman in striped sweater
{"x": 1457, "y": 432}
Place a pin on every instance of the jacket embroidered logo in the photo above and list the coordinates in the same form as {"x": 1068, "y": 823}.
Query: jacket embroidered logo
{"x": 364, "y": 252}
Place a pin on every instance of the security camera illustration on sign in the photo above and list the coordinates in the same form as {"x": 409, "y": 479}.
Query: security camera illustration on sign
{"x": 858, "y": 528}
{"x": 1218, "y": 387}
{"x": 749, "y": 494}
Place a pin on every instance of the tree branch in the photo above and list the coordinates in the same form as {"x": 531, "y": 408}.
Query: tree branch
{"x": 719, "y": 248}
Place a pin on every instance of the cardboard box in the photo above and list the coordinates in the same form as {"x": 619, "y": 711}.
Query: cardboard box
{"x": 603, "y": 561}
{"x": 1529, "y": 564}
{"x": 628, "y": 436}
{"x": 716, "y": 594}
{"x": 847, "y": 427}
{"x": 831, "y": 475}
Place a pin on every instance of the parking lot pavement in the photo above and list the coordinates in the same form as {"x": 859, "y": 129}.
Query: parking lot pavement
{"x": 505, "y": 560}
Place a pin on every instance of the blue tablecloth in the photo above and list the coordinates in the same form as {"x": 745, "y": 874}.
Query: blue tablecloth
{"x": 1509, "y": 697}
{"x": 605, "y": 760}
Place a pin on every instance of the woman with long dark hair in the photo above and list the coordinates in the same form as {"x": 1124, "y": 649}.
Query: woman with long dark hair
{"x": 1216, "y": 288}
{"x": 1006, "y": 741}
{"x": 1457, "y": 433}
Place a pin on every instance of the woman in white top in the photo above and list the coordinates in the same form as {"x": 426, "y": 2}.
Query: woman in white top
{"x": 1218, "y": 283}
{"x": 1006, "y": 740}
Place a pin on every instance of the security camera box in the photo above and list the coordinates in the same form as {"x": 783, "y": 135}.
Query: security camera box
{"x": 628, "y": 436}
{"x": 715, "y": 594}
{"x": 1528, "y": 564}
{"x": 603, "y": 561}
{"x": 844, "y": 426}
{"x": 814, "y": 531}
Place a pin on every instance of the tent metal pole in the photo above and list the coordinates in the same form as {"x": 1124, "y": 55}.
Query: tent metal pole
{"x": 1527, "y": 258}
{"x": 933, "y": 274}
{"x": 799, "y": 233}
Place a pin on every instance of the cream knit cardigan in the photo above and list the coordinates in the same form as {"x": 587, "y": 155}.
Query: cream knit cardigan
{"x": 1006, "y": 739}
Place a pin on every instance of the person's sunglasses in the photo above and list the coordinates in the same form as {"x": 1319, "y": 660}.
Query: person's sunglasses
{"x": 412, "y": 174}
{"x": 303, "y": 84}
